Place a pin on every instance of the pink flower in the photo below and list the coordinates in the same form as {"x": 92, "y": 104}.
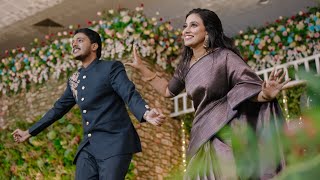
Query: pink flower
{"x": 285, "y": 33}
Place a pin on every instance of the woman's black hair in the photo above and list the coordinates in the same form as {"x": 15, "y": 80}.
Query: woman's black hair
{"x": 217, "y": 39}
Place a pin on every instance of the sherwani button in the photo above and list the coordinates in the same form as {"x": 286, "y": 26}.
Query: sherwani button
{"x": 82, "y": 99}
{"x": 83, "y": 87}
{"x": 84, "y": 76}
{"x": 84, "y": 111}
{"x": 87, "y": 123}
{"x": 89, "y": 135}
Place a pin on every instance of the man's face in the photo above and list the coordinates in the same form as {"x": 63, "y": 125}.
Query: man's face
{"x": 81, "y": 46}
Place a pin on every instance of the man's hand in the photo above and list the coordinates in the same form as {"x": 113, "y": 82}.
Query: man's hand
{"x": 20, "y": 136}
{"x": 154, "y": 117}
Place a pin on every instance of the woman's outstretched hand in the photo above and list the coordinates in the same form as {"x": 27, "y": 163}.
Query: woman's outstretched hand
{"x": 137, "y": 61}
{"x": 274, "y": 84}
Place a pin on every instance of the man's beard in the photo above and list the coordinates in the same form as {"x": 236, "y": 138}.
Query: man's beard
{"x": 81, "y": 57}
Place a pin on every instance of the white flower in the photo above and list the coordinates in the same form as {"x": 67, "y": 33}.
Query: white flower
{"x": 135, "y": 19}
{"x": 146, "y": 32}
{"x": 300, "y": 25}
{"x": 145, "y": 24}
{"x": 109, "y": 41}
{"x": 276, "y": 39}
{"x": 236, "y": 42}
{"x": 119, "y": 35}
{"x": 123, "y": 13}
{"x": 139, "y": 8}
{"x": 136, "y": 36}
{"x": 129, "y": 29}
{"x": 126, "y": 19}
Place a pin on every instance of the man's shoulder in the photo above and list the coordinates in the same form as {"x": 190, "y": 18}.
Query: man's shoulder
{"x": 109, "y": 62}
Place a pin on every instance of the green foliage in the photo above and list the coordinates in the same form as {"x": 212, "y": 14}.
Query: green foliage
{"x": 130, "y": 174}
{"x": 294, "y": 101}
{"x": 303, "y": 146}
{"x": 48, "y": 155}
{"x": 187, "y": 118}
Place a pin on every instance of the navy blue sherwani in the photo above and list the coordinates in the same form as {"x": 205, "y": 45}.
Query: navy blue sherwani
{"x": 102, "y": 90}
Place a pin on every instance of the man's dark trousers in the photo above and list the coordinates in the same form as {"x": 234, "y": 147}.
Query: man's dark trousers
{"x": 112, "y": 168}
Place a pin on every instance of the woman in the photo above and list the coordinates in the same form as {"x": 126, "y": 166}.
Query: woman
{"x": 228, "y": 98}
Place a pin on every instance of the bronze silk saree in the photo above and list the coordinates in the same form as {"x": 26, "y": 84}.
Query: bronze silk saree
{"x": 231, "y": 136}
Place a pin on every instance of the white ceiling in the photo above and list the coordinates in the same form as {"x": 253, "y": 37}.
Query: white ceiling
{"x": 13, "y": 11}
{"x": 17, "y": 17}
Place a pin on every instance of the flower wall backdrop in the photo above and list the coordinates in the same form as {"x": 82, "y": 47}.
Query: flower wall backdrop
{"x": 156, "y": 39}
{"x": 284, "y": 40}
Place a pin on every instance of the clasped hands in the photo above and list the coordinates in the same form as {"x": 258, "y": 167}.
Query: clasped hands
{"x": 154, "y": 117}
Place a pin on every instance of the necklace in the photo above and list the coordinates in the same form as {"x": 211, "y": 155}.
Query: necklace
{"x": 204, "y": 54}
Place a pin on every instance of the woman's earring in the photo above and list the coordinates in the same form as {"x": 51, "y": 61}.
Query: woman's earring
{"x": 206, "y": 42}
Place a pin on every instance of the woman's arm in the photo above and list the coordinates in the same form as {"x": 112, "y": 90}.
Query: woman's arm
{"x": 158, "y": 83}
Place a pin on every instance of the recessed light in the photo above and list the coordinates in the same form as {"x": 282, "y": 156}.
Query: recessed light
{"x": 263, "y": 2}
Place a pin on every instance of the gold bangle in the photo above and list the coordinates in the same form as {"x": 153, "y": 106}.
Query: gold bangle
{"x": 151, "y": 78}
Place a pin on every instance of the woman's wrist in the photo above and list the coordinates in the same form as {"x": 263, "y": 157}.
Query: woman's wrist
{"x": 264, "y": 97}
{"x": 150, "y": 78}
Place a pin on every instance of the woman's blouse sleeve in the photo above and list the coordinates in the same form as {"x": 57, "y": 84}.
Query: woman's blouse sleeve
{"x": 176, "y": 84}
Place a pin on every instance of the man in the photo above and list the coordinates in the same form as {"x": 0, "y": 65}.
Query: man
{"x": 102, "y": 90}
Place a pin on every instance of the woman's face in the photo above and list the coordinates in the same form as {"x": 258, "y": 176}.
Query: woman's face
{"x": 194, "y": 31}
